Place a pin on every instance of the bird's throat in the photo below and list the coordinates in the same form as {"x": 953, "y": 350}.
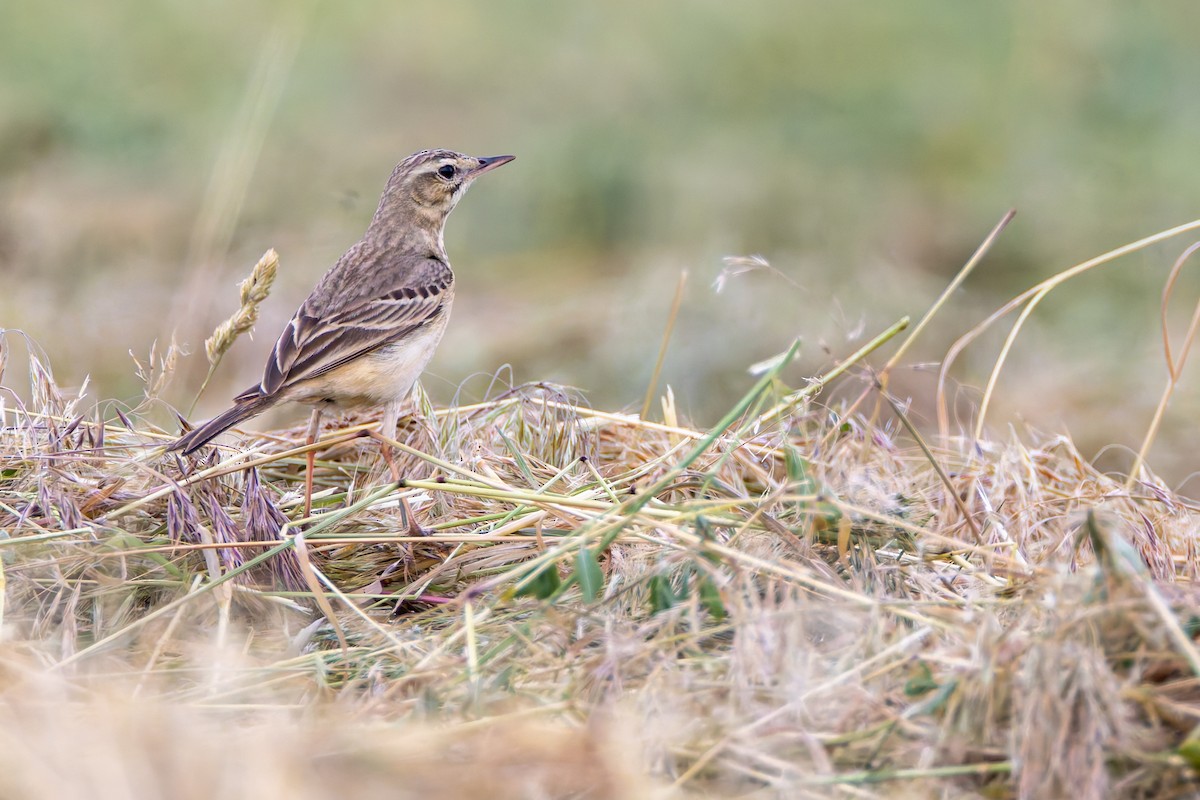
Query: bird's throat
{"x": 412, "y": 229}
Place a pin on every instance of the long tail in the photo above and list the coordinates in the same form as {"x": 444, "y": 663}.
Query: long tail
{"x": 244, "y": 409}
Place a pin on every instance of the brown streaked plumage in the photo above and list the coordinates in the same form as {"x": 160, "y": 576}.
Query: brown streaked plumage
{"x": 369, "y": 327}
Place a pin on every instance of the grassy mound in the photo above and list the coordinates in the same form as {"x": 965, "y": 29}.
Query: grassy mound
{"x": 803, "y": 600}
{"x": 809, "y": 599}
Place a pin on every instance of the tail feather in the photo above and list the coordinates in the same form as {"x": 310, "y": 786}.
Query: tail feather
{"x": 245, "y": 408}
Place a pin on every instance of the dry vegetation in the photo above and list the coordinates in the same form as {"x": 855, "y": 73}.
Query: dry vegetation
{"x": 804, "y": 601}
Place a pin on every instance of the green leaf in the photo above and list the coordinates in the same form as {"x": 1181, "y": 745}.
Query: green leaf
{"x": 827, "y": 514}
{"x": 685, "y": 581}
{"x": 1190, "y": 749}
{"x": 920, "y": 682}
{"x": 519, "y": 458}
{"x": 710, "y": 598}
{"x": 544, "y": 584}
{"x": 662, "y": 597}
{"x": 798, "y": 471}
{"x": 935, "y": 701}
{"x": 591, "y": 578}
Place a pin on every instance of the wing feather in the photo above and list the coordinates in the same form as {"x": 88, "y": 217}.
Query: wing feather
{"x": 312, "y": 345}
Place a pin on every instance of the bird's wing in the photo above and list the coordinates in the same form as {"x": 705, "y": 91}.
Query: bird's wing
{"x": 315, "y": 343}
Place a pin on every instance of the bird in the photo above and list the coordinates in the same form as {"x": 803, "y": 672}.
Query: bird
{"x": 365, "y": 333}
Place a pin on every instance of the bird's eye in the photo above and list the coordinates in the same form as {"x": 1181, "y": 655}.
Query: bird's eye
{"x": 446, "y": 171}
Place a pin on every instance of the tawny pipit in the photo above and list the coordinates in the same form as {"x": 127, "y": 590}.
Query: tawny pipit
{"x": 368, "y": 329}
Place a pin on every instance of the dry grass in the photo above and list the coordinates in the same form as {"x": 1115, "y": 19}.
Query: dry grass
{"x": 805, "y": 601}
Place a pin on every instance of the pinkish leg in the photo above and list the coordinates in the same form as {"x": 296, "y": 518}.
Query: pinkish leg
{"x": 310, "y": 459}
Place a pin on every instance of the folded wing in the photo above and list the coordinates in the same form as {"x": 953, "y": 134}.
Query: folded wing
{"x": 311, "y": 345}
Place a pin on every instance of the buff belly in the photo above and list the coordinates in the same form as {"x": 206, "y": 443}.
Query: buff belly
{"x": 383, "y": 376}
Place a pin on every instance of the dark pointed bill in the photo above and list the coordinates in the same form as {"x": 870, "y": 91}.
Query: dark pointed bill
{"x": 491, "y": 162}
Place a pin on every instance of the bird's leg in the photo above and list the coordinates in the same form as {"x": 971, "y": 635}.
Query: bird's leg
{"x": 310, "y": 458}
{"x": 408, "y": 517}
{"x": 387, "y": 432}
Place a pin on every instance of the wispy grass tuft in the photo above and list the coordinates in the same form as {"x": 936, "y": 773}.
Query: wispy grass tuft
{"x": 252, "y": 292}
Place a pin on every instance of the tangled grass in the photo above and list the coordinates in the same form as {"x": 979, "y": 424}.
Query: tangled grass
{"x": 804, "y": 601}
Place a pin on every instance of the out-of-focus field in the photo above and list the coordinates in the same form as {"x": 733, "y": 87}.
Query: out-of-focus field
{"x": 150, "y": 153}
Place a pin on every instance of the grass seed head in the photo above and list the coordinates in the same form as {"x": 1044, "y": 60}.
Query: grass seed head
{"x": 252, "y": 292}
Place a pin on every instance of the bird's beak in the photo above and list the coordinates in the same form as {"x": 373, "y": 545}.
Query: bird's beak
{"x": 490, "y": 163}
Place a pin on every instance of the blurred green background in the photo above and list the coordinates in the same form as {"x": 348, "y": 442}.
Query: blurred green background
{"x": 150, "y": 152}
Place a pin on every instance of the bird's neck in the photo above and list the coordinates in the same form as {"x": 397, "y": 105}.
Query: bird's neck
{"x": 410, "y": 228}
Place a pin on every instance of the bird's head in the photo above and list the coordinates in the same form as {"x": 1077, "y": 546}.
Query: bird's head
{"x": 431, "y": 182}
